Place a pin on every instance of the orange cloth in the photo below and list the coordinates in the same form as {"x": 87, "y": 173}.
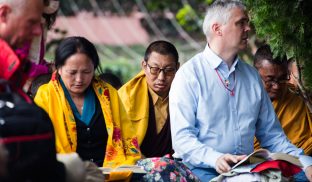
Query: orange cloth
{"x": 295, "y": 119}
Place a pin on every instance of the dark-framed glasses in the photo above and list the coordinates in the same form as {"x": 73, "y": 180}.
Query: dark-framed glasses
{"x": 154, "y": 70}
{"x": 275, "y": 82}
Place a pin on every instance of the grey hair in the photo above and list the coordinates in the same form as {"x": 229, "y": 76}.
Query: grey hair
{"x": 219, "y": 11}
{"x": 15, "y": 5}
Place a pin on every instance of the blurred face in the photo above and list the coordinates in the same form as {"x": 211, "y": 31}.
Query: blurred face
{"x": 274, "y": 78}
{"x": 22, "y": 24}
{"x": 77, "y": 73}
{"x": 160, "y": 70}
{"x": 235, "y": 31}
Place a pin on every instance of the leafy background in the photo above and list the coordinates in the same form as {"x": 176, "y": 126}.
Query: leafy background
{"x": 285, "y": 25}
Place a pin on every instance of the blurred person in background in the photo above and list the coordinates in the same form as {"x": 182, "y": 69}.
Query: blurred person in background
{"x": 289, "y": 107}
{"x": 35, "y": 160}
{"x": 34, "y": 51}
{"x": 112, "y": 79}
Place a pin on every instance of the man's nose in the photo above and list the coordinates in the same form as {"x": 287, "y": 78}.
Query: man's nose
{"x": 161, "y": 75}
{"x": 275, "y": 85}
{"x": 247, "y": 27}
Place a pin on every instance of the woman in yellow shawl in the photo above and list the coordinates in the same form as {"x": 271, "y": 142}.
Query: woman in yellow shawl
{"x": 87, "y": 114}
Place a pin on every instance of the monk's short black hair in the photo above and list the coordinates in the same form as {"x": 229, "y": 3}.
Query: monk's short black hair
{"x": 162, "y": 47}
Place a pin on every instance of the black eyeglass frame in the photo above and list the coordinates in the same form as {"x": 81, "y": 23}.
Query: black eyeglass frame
{"x": 168, "y": 71}
{"x": 276, "y": 81}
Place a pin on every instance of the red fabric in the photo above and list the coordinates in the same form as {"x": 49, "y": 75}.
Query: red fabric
{"x": 8, "y": 60}
{"x": 286, "y": 168}
{"x": 26, "y": 138}
{"x": 11, "y": 69}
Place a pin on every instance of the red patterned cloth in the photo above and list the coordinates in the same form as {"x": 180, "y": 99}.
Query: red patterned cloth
{"x": 286, "y": 168}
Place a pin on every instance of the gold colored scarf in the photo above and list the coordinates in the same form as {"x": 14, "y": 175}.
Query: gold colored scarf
{"x": 134, "y": 95}
{"x": 122, "y": 145}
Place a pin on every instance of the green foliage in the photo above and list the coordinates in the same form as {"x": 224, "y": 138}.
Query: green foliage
{"x": 121, "y": 63}
{"x": 287, "y": 27}
{"x": 187, "y": 18}
{"x": 159, "y": 6}
{"x": 122, "y": 68}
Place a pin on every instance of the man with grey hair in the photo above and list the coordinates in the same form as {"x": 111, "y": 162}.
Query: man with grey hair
{"x": 20, "y": 22}
{"x": 216, "y": 112}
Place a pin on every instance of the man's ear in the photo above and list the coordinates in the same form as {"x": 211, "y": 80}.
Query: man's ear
{"x": 143, "y": 64}
{"x": 4, "y": 12}
{"x": 216, "y": 28}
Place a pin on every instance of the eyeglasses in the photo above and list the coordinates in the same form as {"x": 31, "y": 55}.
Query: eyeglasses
{"x": 275, "y": 82}
{"x": 167, "y": 70}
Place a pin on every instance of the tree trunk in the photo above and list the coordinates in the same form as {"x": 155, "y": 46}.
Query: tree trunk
{"x": 302, "y": 90}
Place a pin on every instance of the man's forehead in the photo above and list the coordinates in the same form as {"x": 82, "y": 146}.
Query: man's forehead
{"x": 36, "y": 6}
{"x": 238, "y": 13}
{"x": 156, "y": 57}
{"x": 273, "y": 70}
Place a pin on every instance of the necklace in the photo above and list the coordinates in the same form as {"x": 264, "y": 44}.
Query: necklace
{"x": 226, "y": 83}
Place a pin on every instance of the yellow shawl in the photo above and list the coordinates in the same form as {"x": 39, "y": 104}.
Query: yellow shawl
{"x": 134, "y": 95}
{"x": 122, "y": 145}
{"x": 295, "y": 119}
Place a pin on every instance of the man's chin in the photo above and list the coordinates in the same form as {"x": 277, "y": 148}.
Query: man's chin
{"x": 161, "y": 92}
{"x": 243, "y": 46}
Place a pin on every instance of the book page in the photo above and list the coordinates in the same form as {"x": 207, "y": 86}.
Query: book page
{"x": 133, "y": 168}
{"x": 257, "y": 156}
{"x": 286, "y": 157}
{"x": 106, "y": 170}
{"x": 262, "y": 155}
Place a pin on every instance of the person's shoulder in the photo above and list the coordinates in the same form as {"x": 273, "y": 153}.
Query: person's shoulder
{"x": 196, "y": 59}
{"x": 99, "y": 83}
{"x": 192, "y": 65}
{"x": 43, "y": 94}
{"x": 244, "y": 65}
{"x": 293, "y": 98}
{"x": 44, "y": 88}
{"x": 247, "y": 68}
{"x": 136, "y": 81}
{"x": 102, "y": 88}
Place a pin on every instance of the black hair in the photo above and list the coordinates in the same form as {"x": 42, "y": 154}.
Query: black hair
{"x": 37, "y": 82}
{"x": 162, "y": 47}
{"x": 111, "y": 79}
{"x": 72, "y": 45}
{"x": 49, "y": 18}
{"x": 264, "y": 53}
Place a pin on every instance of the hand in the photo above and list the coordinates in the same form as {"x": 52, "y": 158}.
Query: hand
{"x": 223, "y": 162}
{"x": 75, "y": 167}
{"x": 308, "y": 173}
